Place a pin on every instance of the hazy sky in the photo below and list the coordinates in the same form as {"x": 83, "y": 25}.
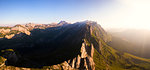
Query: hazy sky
{"x": 108, "y": 13}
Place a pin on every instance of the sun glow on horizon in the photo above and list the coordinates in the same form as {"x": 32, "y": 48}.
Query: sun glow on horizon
{"x": 130, "y": 14}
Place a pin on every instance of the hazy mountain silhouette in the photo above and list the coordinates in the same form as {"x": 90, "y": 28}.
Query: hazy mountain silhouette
{"x": 135, "y": 41}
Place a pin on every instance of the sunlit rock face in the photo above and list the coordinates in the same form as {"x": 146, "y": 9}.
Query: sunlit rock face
{"x": 9, "y": 36}
{"x": 4, "y": 31}
{"x": 21, "y": 29}
{"x": 10, "y": 32}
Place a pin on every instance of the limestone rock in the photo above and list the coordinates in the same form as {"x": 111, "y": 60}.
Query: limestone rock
{"x": 81, "y": 62}
{"x": 9, "y": 36}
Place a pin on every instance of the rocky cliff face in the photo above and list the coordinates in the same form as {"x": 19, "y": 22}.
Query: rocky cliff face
{"x": 84, "y": 61}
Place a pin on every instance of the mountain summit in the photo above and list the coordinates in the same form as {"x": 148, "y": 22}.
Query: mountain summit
{"x": 82, "y": 45}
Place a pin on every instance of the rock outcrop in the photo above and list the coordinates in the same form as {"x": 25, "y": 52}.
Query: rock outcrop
{"x": 9, "y": 54}
{"x": 9, "y": 36}
{"x": 21, "y": 29}
{"x": 84, "y": 61}
{"x": 4, "y": 31}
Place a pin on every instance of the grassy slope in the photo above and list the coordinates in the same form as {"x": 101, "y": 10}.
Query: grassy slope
{"x": 139, "y": 58}
{"x": 109, "y": 58}
{"x": 112, "y": 59}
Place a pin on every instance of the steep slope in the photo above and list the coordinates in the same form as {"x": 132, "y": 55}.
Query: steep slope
{"x": 82, "y": 45}
{"x": 105, "y": 57}
{"x": 135, "y": 42}
{"x": 125, "y": 46}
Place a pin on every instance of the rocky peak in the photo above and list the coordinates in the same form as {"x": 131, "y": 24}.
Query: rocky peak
{"x": 62, "y": 23}
{"x": 86, "y": 22}
{"x": 30, "y": 26}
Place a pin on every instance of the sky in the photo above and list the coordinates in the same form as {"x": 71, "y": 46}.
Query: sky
{"x": 108, "y": 13}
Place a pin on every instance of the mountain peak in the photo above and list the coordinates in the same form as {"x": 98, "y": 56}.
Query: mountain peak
{"x": 62, "y": 23}
{"x": 87, "y": 22}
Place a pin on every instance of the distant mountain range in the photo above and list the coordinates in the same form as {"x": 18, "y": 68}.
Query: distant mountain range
{"x": 64, "y": 46}
{"x": 9, "y": 32}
